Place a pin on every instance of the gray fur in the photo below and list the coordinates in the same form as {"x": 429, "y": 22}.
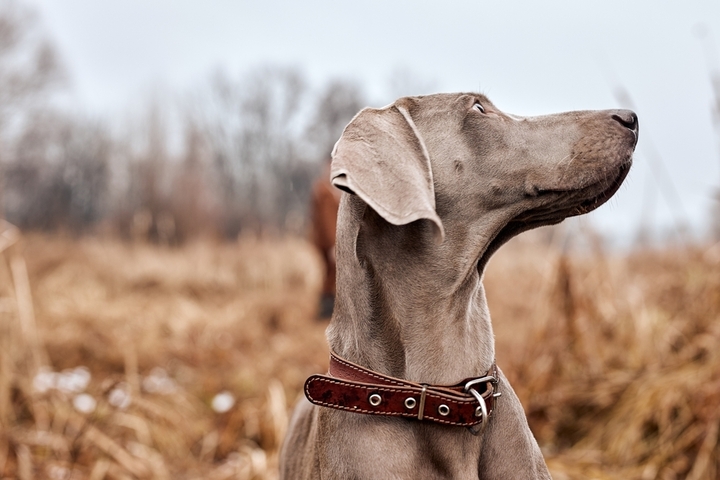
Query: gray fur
{"x": 435, "y": 186}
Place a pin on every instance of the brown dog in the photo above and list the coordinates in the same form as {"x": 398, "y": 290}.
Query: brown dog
{"x": 435, "y": 185}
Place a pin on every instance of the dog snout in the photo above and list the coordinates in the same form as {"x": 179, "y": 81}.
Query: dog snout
{"x": 628, "y": 119}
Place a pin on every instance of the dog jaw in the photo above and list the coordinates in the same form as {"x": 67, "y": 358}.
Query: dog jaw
{"x": 591, "y": 171}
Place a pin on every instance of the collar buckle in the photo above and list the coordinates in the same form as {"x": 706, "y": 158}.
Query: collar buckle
{"x": 482, "y": 411}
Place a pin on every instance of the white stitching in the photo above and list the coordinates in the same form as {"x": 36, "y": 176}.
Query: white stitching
{"x": 402, "y": 389}
{"x": 388, "y": 379}
{"x": 374, "y": 412}
{"x": 367, "y": 372}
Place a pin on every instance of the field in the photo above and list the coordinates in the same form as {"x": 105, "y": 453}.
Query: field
{"x": 127, "y": 360}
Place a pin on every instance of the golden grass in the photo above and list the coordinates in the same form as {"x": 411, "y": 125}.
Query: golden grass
{"x": 615, "y": 359}
{"x": 619, "y": 369}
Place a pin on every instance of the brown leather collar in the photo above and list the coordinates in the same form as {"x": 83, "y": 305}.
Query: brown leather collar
{"x": 356, "y": 389}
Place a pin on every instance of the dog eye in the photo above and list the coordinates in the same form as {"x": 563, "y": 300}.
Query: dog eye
{"x": 479, "y": 107}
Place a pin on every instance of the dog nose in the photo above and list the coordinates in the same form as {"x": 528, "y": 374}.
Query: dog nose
{"x": 627, "y": 119}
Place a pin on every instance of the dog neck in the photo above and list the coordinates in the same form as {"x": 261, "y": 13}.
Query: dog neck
{"x": 406, "y": 306}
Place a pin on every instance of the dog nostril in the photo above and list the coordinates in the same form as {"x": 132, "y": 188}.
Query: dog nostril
{"x": 627, "y": 119}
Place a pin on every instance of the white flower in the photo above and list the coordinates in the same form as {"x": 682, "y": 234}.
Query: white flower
{"x": 223, "y": 401}
{"x": 58, "y": 472}
{"x": 119, "y": 397}
{"x": 81, "y": 377}
{"x": 84, "y": 403}
{"x": 73, "y": 381}
{"x": 44, "y": 380}
{"x": 159, "y": 382}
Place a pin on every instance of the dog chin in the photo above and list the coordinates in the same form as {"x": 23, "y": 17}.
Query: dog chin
{"x": 566, "y": 204}
{"x": 606, "y": 191}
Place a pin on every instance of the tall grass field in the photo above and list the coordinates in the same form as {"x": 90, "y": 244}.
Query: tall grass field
{"x": 131, "y": 361}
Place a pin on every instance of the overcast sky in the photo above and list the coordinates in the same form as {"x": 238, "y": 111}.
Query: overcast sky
{"x": 529, "y": 57}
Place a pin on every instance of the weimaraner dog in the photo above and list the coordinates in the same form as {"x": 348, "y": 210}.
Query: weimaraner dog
{"x": 434, "y": 185}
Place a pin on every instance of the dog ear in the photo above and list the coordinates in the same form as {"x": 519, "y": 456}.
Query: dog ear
{"x": 382, "y": 158}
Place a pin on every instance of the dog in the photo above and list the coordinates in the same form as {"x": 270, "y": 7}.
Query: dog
{"x": 433, "y": 186}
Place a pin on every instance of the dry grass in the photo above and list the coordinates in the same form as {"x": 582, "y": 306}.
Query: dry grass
{"x": 615, "y": 359}
{"x": 618, "y": 367}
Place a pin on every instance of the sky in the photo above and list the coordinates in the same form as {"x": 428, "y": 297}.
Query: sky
{"x": 529, "y": 57}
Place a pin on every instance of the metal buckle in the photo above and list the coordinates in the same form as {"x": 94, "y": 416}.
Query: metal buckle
{"x": 483, "y": 409}
{"x": 485, "y": 379}
{"x": 483, "y": 406}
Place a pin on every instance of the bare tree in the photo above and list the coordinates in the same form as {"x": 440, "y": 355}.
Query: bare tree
{"x": 253, "y": 126}
{"x": 336, "y": 105}
{"x": 29, "y": 65}
{"x": 268, "y": 136}
{"x": 194, "y": 210}
{"x": 58, "y": 174}
{"x": 29, "y": 68}
{"x": 248, "y": 160}
{"x": 141, "y": 204}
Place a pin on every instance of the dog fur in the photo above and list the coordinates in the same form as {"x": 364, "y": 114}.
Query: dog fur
{"x": 434, "y": 185}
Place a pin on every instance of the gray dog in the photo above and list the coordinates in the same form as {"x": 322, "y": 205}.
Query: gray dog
{"x": 435, "y": 184}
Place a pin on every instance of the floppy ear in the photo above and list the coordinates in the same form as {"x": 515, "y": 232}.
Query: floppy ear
{"x": 382, "y": 158}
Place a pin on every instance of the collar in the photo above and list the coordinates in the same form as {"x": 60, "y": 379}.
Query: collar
{"x": 353, "y": 388}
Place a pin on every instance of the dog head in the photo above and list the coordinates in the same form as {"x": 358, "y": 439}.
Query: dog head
{"x": 472, "y": 171}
